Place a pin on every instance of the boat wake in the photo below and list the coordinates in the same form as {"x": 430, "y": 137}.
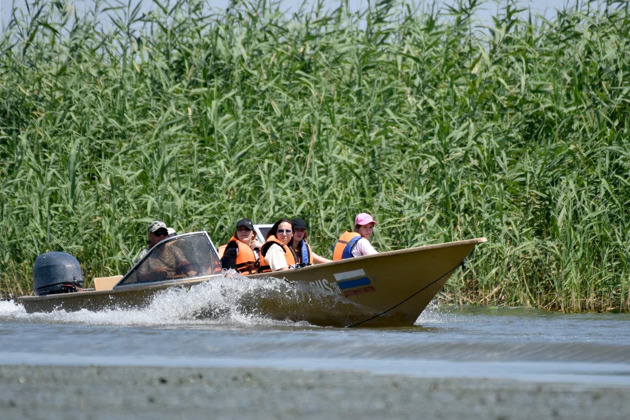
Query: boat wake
{"x": 227, "y": 300}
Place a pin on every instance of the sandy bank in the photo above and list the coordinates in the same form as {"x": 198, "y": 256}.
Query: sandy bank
{"x": 59, "y": 392}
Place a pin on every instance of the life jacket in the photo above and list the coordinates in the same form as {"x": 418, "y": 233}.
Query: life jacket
{"x": 305, "y": 253}
{"x": 288, "y": 254}
{"x": 345, "y": 244}
{"x": 246, "y": 261}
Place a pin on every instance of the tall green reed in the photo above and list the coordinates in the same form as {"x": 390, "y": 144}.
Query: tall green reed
{"x": 441, "y": 126}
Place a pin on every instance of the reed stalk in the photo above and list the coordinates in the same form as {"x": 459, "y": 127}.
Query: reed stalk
{"x": 440, "y": 125}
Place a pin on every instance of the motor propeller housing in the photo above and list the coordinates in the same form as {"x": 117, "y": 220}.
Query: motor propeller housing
{"x": 56, "y": 272}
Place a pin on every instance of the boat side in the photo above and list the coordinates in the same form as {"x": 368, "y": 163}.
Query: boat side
{"x": 135, "y": 296}
{"x": 387, "y": 289}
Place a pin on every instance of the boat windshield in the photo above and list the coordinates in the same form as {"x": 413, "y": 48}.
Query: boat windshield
{"x": 179, "y": 257}
{"x": 262, "y": 231}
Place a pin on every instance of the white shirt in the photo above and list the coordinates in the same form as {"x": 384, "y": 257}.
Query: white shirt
{"x": 275, "y": 257}
{"x": 363, "y": 247}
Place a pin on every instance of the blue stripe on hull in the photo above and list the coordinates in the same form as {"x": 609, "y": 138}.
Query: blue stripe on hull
{"x": 362, "y": 281}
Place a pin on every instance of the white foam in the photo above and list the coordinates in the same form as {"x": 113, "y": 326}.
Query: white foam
{"x": 433, "y": 315}
{"x": 225, "y": 300}
{"x": 10, "y": 309}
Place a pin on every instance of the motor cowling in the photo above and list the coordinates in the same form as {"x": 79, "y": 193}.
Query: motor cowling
{"x": 56, "y": 272}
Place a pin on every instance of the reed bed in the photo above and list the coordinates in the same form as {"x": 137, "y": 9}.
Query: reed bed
{"x": 444, "y": 127}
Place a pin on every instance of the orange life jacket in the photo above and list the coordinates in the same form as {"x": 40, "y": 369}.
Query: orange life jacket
{"x": 288, "y": 254}
{"x": 345, "y": 244}
{"x": 246, "y": 261}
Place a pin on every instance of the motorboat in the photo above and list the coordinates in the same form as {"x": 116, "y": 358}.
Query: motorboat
{"x": 389, "y": 289}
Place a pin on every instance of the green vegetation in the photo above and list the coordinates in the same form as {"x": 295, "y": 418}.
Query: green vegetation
{"x": 442, "y": 127}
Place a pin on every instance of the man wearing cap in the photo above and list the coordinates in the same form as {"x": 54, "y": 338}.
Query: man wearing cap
{"x": 242, "y": 253}
{"x": 299, "y": 243}
{"x": 157, "y": 232}
{"x": 166, "y": 261}
{"x": 354, "y": 244}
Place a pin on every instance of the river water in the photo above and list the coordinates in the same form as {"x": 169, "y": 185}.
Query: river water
{"x": 469, "y": 342}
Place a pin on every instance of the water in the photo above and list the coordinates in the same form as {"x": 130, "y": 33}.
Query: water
{"x": 470, "y": 342}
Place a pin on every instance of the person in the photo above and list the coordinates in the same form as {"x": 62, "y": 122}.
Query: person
{"x": 157, "y": 232}
{"x": 171, "y": 232}
{"x": 165, "y": 262}
{"x": 301, "y": 247}
{"x": 242, "y": 251}
{"x": 354, "y": 244}
{"x": 275, "y": 254}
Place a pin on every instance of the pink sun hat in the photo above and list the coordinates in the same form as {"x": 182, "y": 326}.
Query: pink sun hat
{"x": 364, "y": 219}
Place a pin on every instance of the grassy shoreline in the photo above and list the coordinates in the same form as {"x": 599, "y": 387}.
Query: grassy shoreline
{"x": 441, "y": 127}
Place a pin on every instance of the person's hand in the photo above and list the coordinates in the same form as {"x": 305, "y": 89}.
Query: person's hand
{"x": 187, "y": 269}
{"x": 160, "y": 274}
{"x": 192, "y": 270}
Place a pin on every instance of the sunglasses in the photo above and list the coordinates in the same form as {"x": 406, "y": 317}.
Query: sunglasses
{"x": 287, "y": 231}
{"x": 161, "y": 232}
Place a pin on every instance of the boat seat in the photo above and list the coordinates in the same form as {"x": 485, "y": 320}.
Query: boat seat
{"x": 106, "y": 283}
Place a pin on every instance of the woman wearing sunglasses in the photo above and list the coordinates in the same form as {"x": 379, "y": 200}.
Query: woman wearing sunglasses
{"x": 275, "y": 254}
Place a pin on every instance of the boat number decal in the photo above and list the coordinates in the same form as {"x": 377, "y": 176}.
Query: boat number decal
{"x": 324, "y": 284}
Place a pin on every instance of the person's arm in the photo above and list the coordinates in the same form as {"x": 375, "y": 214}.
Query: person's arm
{"x": 363, "y": 247}
{"x": 153, "y": 269}
{"x": 229, "y": 256}
{"x": 176, "y": 262}
{"x": 318, "y": 260}
{"x": 276, "y": 259}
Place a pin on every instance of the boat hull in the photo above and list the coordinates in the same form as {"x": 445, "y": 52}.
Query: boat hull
{"x": 389, "y": 289}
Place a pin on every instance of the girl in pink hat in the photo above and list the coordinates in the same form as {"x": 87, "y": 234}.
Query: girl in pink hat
{"x": 354, "y": 244}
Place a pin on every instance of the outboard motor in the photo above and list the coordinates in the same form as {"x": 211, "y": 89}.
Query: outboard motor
{"x": 56, "y": 272}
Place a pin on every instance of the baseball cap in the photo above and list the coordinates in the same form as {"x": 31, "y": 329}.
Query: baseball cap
{"x": 298, "y": 223}
{"x": 364, "y": 219}
{"x": 246, "y": 223}
{"x": 157, "y": 225}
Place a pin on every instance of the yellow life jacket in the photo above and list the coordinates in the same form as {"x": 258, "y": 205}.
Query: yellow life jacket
{"x": 288, "y": 254}
{"x": 344, "y": 246}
